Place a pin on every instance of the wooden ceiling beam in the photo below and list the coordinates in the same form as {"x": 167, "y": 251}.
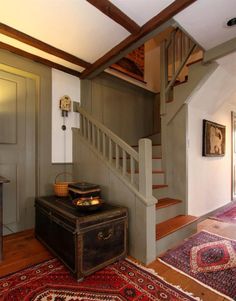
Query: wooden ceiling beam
{"x": 24, "y": 38}
{"x": 165, "y": 15}
{"x": 38, "y": 59}
{"x": 115, "y": 14}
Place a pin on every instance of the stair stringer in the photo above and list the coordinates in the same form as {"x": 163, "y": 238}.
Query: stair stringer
{"x": 198, "y": 74}
{"x": 174, "y": 132}
{"x": 90, "y": 166}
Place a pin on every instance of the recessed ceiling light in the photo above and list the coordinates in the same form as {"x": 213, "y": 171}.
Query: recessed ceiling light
{"x": 231, "y": 22}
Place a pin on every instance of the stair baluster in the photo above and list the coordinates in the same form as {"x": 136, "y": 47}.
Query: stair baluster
{"x": 122, "y": 157}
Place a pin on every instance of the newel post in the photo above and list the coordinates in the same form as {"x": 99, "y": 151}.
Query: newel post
{"x": 145, "y": 167}
{"x": 145, "y": 213}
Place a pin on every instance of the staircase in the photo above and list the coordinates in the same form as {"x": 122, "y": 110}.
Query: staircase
{"x": 172, "y": 225}
{"x": 180, "y": 59}
{"x": 139, "y": 176}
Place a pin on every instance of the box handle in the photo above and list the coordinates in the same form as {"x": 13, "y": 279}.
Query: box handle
{"x": 62, "y": 173}
{"x": 102, "y": 236}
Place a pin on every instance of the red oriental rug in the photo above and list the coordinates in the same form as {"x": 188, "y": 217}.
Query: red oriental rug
{"x": 208, "y": 259}
{"x": 123, "y": 280}
{"x": 227, "y": 214}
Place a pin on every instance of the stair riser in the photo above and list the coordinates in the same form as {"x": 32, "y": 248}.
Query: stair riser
{"x": 166, "y": 213}
{"x": 160, "y": 193}
{"x": 156, "y": 150}
{"x": 157, "y": 178}
{"x": 175, "y": 238}
{"x": 156, "y": 164}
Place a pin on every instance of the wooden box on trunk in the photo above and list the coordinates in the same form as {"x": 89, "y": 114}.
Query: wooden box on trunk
{"x": 85, "y": 242}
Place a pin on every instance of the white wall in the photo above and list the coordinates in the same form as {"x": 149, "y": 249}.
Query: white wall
{"x": 209, "y": 178}
{"x": 63, "y": 84}
{"x": 209, "y": 181}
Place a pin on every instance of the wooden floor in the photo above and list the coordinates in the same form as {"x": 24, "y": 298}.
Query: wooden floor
{"x": 187, "y": 284}
{"x": 23, "y": 250}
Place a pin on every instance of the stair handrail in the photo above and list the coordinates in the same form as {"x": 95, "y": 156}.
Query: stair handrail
{"x": 175, "y": 52}
{"x": 116, "y": 152}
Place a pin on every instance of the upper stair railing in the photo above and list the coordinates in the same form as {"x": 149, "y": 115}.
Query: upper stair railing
{"x": 128, "y": 163}
{"x": 175, "y": 53}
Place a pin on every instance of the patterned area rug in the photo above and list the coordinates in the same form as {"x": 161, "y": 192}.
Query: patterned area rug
{"x": 227, "y": 214}
{"x": 51, "y": 281}
{"x": 209, "y": 259}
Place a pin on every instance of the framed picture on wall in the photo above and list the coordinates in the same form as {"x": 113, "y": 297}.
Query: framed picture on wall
{"x": 213, "y": 139}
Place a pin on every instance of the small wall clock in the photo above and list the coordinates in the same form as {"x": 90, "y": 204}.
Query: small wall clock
{"x": 65, "y": 105}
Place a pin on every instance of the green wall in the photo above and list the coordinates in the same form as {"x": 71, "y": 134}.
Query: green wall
{"x": 46, "y": 171}
{"x": 124, "y": 108}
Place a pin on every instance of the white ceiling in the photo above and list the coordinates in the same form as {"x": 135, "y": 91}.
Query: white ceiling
{"x": 141, "y": 10}
{"x": 205, "y": 21}
{"x": 77, "y": 27}
{"x": 72, "y": 25}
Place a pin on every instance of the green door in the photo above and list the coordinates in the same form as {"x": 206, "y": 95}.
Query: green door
{"x": 17, "y": 149}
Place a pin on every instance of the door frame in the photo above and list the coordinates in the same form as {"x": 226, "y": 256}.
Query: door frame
{"x": 36, "y": 79}
{"x": 46, "y": 171}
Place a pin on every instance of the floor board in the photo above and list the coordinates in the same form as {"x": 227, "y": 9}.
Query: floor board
{"x": 187, "y": 284}
{"x": 21, "y": 250}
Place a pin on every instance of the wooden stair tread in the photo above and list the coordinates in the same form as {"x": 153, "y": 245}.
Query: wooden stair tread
{"x": 166, "y": 202}
{"x": 181, "y": 82}
{"x": 194, "y": 62}
{"x": 159, "y": 186}
{"x": 171, "y": 225}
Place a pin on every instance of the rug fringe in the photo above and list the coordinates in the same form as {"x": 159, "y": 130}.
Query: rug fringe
{"x": 187, "y": 293}
{"x": 194, "y": 279}
{"x": 153, "y": 272}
